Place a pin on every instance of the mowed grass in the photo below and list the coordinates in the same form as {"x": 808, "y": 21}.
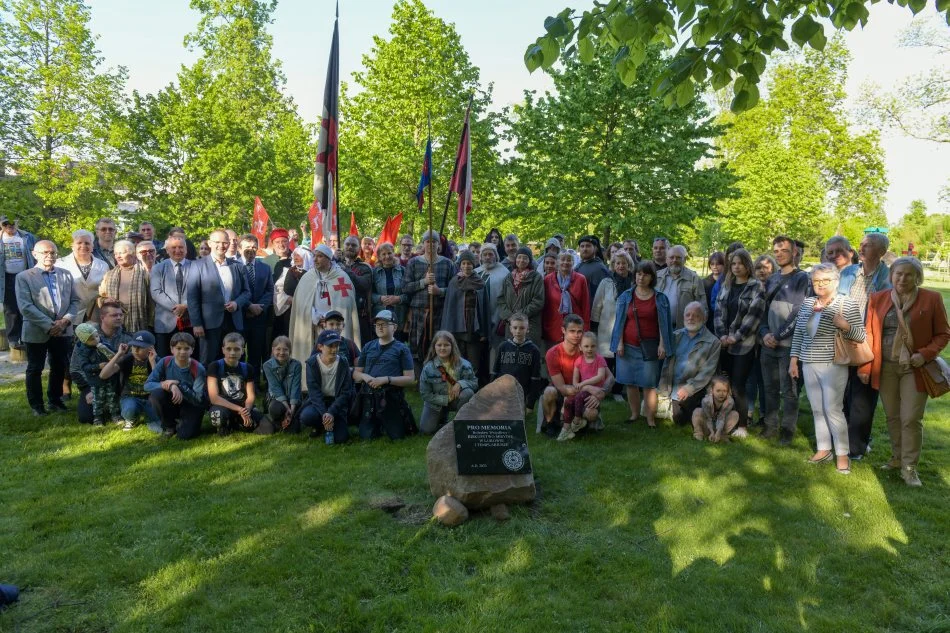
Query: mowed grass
{"x": 634, "y": 530}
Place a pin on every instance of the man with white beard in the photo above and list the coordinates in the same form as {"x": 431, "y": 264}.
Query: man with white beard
{"x": 493, "y": 273}
{"x": 695, "y": 357}
{"x": 323, "y": 288}
{"x": 681, "y": 285}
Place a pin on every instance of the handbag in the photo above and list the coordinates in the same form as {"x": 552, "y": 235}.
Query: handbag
{"x": 649, "y": 347}
{"x": 935, "y": 374}
{"x": 851, "y": 353}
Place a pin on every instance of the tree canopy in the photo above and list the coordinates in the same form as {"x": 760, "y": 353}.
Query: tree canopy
{"x": 720, "y": 42}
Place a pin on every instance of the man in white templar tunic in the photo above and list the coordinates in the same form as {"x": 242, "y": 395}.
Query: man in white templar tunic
{"x": 323, "y": 288}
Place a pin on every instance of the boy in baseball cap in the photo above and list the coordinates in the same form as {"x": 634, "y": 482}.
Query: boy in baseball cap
{"x": 134, "y": 368}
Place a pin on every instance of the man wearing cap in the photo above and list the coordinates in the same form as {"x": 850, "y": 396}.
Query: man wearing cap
{"x": 361, "y": 274}
{"x": 257, "y": 315}
{"x": 420, "y": 284}
{"x": 217, "y": 296}
{"x": 105, "y": 240}
{"x": 168, "y": 286}
{"x": 16, "y": 255}
{"x": 383, "y": 371}
{"x": 323, "y": 288}
{"x": 592, "y": 263}
{"x": 280, "y": 251}
{"x": 49, "y": 303}
{"x": 134, "y": 368}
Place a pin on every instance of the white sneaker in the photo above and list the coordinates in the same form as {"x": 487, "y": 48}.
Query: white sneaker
{"x": 740, "y": 432}
{"x": 129, "y": 425}
{"x": 618, "y": 397}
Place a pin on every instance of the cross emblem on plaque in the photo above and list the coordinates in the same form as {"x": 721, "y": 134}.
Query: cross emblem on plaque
{"x": 342, "y": 287}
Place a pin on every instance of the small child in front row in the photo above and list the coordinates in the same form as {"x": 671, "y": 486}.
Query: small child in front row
{"x": 520, "y": 357}
{"x": 93, "y": 356}
{"x": 716, "y": 416}
{"x": 134, "y": 363}
{"x": 590, "y": 373}
{"x": 231, "y": 391}
{"x": 283, "y": 386}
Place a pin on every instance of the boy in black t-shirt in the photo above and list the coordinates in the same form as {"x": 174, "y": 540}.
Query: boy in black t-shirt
{"x": 134, "y": 369}
{"x": 521, "y": 358}
{"x": 231, "y": 391}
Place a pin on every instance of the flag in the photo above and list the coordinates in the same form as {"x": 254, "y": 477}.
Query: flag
{"x": 426, "y": 177}
{"x": 315, "y": 221}
{"x": 462, "y": 176}
{"x": 383, "y": 235}
{"x": 354, "y": 230}
{"x": 325, "y": 167}
{"x": 259, "y": 221}
{"x": 394, "y": 225}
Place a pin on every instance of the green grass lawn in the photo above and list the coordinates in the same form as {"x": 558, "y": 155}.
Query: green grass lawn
{"x": 634, "y": 530}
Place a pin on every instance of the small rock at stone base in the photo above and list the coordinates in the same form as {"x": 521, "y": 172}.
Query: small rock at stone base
{"x": 450, "y": 511}
{"x": 500, "y": 512}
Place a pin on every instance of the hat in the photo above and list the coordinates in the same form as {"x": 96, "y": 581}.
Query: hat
{"x": 324, "y": 250}
{"x": 278, "y": 233}
{"x": 467, "y": 256}
{"x": 85, "y": 332}
{"x": 524, "y": 250}
{"x": 593, "y": 239}
{"x": 430, "y": 235}
{"x": 5, "y": 220}
{"x": 385, "y": 315}
{"x": 142, "y": 339}
{"x": 134, "y": 236}
{"x": 329, "y": 337}
{"x": 552, "y": 242}
{"x": 558, "y": 236}
{"x": 334, "y": 315}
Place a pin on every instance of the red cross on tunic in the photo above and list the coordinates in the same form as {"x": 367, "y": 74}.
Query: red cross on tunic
{"x": 342, "y": 287}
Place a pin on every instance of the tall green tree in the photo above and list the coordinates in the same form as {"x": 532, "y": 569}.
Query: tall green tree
{"x": 200, "y": 149}
{"x": 804, "y": 171}
{"x": 715, "y": 41}
{"x": 59, "y": 111}
{"x": 421, "y": 70}
{"x": 600, "y": 156}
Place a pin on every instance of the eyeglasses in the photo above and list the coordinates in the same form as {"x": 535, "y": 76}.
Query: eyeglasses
{"x": 147, "y": 251}
{"x": 821, "y": 282}
{"x": 106, "y": 229}
{"x": 380, "y": 324}
{"x": 46, "y": 253}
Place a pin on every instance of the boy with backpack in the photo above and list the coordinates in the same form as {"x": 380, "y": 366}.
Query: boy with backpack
{"x": 232, "y": 391}
{"x": 176, "y": 389}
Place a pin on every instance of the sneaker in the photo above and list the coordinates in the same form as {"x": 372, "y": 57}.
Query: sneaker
{"x": 740, "y": 432}
{"x": 118, "y": 421}
{"x": 40, "y": 412}
{"x": 909, "y": 473}
{"x": 785, "y": 437}
{"x": 57, "y": 405}
{"x": 578, "y": 424}
{"x": 128, "y": 426}
{"x": 698, "y": 435}
{"x": 168, "y": 432}
{"x": 894, "y": 464}
{"x": 566, "y": 434}
{"x": 618, "y": 397}
{"x": 97, "y": 422}
{"x": 769, "y": 432}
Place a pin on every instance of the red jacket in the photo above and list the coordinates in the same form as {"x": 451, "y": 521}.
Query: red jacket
{"x": 928, "y": 325}
{"x": 551, "y": 319}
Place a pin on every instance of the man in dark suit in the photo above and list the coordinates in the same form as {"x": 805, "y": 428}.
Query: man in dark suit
{"x": 169, "y": 289}
{"x": 257, "y": 316}
{"x": 218, "y": 295}
{"x": 49, "y": 303}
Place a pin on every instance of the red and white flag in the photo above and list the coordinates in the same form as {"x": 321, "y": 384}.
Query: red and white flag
{"x": 315, "y": 221}
{"x": 462, "y": 176}
{"x": 260, "y": 221}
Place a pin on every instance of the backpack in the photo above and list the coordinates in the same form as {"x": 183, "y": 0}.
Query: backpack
{"x": 192, "y": 366}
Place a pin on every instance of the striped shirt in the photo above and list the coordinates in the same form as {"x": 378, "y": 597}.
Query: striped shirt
{"x": 820, "y": 348}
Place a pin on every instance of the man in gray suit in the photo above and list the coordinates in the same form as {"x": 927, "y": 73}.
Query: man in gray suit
{"x": 49, "y": 304}
{"x": 218, "y": 295}
{"x": 168, "y": 286}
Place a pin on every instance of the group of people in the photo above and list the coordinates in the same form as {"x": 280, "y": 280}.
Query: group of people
{"x": 170, "y": 332}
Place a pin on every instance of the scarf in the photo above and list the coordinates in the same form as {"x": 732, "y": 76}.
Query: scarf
{"x": 138, "y": 312}
{"x": 564, "y": 283}
{"x": 518, "y": 277}
{"x": 471, "y": 283}
{"x": 622, "y": 283}
{"x": 904, "y": 341}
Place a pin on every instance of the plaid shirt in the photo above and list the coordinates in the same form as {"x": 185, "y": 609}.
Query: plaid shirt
{"x": 703, "y": 360}
{"x": 414, "y": 283}
{"x": 752, "y": 308}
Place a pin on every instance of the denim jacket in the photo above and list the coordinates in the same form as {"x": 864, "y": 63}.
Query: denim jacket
{"x": 881, "y": 279}
{"x": 665, "y": 319}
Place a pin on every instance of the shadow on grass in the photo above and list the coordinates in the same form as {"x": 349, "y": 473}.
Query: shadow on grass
{"x": 636, "y": 530}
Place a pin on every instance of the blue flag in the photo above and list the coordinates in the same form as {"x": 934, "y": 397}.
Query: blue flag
{"x": 426, "y": 177}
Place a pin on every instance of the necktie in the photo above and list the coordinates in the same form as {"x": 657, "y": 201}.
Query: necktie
{"x": 250, "y": 274}
{"x": 179, "y": 279}
{"x": 53, "y": 293}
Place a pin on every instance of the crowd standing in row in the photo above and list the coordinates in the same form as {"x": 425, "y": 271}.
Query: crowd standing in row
{"x": 330, "y": 339}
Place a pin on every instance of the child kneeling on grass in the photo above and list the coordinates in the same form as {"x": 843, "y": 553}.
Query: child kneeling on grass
{"x": 232, "y": 393}
{"x": 176, "y": 389}
{"x": 520, "y": 357}
{"x": 446, "y": 383}
{"x": 283, "y": 386}
{"x": 590, "y": 373}
{"x": 329, "y": 390}
{"x": 716, "y": 416}
{"x": 134, "y": 367}
{"x": 93, "y": 356}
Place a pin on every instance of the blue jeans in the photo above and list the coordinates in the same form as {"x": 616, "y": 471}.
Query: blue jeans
{"x": 132, "y": 407}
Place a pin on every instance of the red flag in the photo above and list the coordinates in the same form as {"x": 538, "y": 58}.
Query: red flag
{"x": 394, "y": 225}
{"x": 325, "y": 180}
{"x": 462, "y": 176}
{"x": 354, "y": 230}
{"x": 260, "y": 221}
{"x": 315, "y": 221}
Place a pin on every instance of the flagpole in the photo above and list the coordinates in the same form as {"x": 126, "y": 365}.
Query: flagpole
{"x": 431, "y": 297}
{"x": 448, "y": 198}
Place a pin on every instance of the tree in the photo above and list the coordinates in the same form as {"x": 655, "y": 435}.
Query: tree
{"x": 714, "y": 41}
{"x": 798, "y": 144}
{"x": 200, "y": 150}
{"x": 421, "y": 70}
{"x": 600, "y": 156}
{"x": 59, "y": 111}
